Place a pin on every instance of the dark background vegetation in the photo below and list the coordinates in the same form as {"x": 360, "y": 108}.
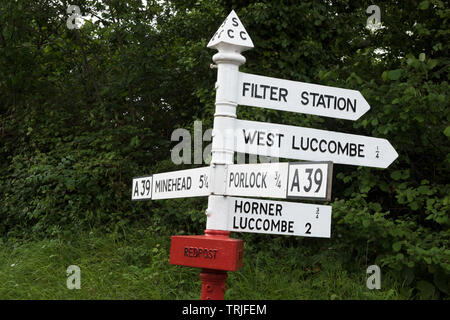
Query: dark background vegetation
{"x": 83, "y": 111}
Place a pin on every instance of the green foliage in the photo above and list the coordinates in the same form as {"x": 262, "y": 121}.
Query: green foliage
{"x": 84, "y": 111}
{"x": 134, "y": 264}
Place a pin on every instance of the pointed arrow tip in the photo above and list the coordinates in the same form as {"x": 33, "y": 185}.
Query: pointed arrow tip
{"x": 364, "y": 106}
{"x": 392, "y": 154}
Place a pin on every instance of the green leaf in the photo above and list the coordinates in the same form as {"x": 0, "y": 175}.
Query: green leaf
{"x": 422, "y": 57}
{"x": 424, "y": 5}
{"x": 414, "y": 205}
{"x": 396, "y": 175}
{"x": 432, "y": 63}
{"x": 447, "y": 131}
{"x": 394, "y": 74}
{"x": 366, "y": 223}
{"x": 134, "y": 141}
{"x": 70, "y": 184}
{"x": 426, "y": 289}
{"x": 441, "y": 280}
{"x": 397, "y": 246}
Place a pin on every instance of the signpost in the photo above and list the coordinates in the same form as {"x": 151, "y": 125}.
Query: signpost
{"x": 169, "y": 185}
{"x": 231, "y": 31}
{"x": 142, "y": 188}
{"x": 294, "y": 96}
{"x": 302, "y": 180}
{"x": 313, "y": 144}
{"x": 215, "y": 252}
{"x": 310, "y": 180}
{"x": 181, "y": 184}
{"x": 260, "y": 180}
{"x": 278, "y": 217}
{"x": 207, "y": 252}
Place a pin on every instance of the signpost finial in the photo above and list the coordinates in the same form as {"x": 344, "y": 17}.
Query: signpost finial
{"x": 231, "y": 32}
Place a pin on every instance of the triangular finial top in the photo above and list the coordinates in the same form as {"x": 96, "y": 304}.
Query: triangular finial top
{"x": 231, "y": 31}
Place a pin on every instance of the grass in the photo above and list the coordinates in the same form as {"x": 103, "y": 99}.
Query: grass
{"x": 135, "y": 265}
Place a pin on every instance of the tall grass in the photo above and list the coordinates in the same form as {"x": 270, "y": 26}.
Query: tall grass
{"x": 134, "y": 264}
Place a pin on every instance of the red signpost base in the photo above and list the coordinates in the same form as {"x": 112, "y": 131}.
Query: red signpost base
{"x": 213, "y": 284}
{"x": 214, "y": 281}
{"x": 215, "y": 252}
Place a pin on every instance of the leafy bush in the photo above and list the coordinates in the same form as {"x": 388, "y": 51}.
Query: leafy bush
{"x": 84, "y": 111}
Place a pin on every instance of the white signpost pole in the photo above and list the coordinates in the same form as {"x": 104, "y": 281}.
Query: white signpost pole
{"x": 230, "y": 40}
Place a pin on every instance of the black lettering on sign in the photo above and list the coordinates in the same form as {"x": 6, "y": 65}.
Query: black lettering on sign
{"x": 247, "y": 138}
{"x": 328, "y": 101}
{"x": 245, "y": 88}
{"x": 263, "y": 91}
{"x": 314, "y": 97}
{"x": 273, "y": 93}
{"x": 176, "y": 184}
{"x": 270, "y": 139}
{"x": 283, "y": 94}
{"x": 360, "y": 150}
{"x": 230, "y": 31}
{"x": 198, "y": 252}
{"x": 352, "y": 150}
{"x": 296, "y": 181}
{"x": 321, "y": 101}
{"x": 313, "y": 140}
{"x": 317, "y": 180}
{"x": 235, "y": 22}
{"x": 263, "y": 224}
{"x": 258, "y": 208}
{"x": 291, "y": 227}
{"x": 262, "y": 138}
{"x": 328, "y": 146}
{"x": 136, "y": 191}
{"x": 143, "y": 187}
{"x": 146, "y": 188}
{"x": 242, "y": 35}
{"x": 309, "y": 172}
{"x": 214, "y": 36}
{"x": 308, "y": 228}
{"x": 305, "y": 99}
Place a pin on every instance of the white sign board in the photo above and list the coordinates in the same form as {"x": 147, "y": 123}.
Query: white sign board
{"x": 301, "y": 97}
{"x": 257, "y": 180}
{"x": 278, "y": 217}
{"x": 168, "y": 185}
{"x": 312, "y": 144}
{"x": 301, "y": 180}
{"x": 310, "y": 180}
{"x": 141, "y": 188}
{"x": 181, "y": 184}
